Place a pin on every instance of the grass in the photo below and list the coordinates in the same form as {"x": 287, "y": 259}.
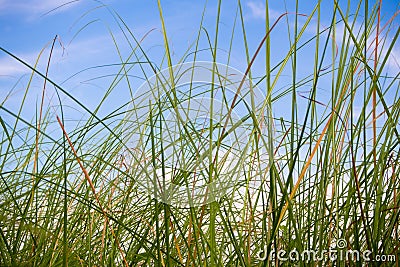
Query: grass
{"x": 72, "y": 192}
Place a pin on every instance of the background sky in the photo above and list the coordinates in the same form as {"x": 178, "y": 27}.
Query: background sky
{"x": 89, "y": 37}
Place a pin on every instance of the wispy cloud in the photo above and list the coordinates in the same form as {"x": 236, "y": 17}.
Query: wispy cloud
{"x": 343, "y": 38}
{"x": 258, "y": 10}
{"x": 11, "y": 67}
{"x": 394, "y": 60}
{"x": 65, "y": 63}
{"x": 36, "y": 7}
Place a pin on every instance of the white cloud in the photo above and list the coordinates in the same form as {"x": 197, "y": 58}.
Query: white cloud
{"x": 394, "y": 60}
{"x": 36, "y": 7}
{"x": 75, "y": 51}
{"x": 258, "y": 11}
{"x": 11, "y": 67}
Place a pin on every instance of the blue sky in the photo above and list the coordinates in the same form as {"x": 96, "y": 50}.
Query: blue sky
{"x": 85, "y": 30}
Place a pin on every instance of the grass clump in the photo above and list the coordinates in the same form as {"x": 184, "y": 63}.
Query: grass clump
{"x": 312, "y": 137}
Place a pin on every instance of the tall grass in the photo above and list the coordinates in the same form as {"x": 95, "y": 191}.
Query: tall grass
{"x": 325, "y": 172}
